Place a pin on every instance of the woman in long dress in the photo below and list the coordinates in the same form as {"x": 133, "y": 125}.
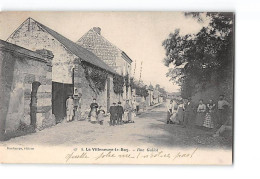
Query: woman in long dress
{"x": 93, "y": 111}
{"x": 180, "y": 113}
{"x": 127, "y": 112}
{"x": 208, "y": 122}
{"x": 174, "y": 113}
{"x": 200, "y": 114}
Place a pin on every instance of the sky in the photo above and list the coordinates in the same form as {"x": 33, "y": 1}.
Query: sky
{"x": 139, "y": 34}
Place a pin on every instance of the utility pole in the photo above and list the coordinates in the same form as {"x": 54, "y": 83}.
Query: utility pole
{"x": 134, "y": 69}
{"x": 141, "y": 68}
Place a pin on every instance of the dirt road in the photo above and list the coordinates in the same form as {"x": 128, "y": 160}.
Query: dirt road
{"x": 150, "y": 128}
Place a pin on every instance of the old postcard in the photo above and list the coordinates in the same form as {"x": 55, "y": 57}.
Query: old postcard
{"x": 117, "y": 87}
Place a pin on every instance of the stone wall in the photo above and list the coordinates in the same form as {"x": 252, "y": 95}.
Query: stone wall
{"x": 31, "y": 36}
{"x": 19, "y": 69}
{"x": 81, "y": 84}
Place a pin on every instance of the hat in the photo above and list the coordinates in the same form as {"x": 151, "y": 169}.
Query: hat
{"x": 119, "y": 102}
{"x": 114, "y": 102}
{"x": 94, "y": 98}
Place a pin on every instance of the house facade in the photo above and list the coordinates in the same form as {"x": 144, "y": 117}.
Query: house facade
{"x": 26, "y": 86}
{"x": 117, "y": 59}
{"x": 69, "y": 73}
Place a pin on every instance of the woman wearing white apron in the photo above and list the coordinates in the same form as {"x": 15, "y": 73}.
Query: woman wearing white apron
{"x": 93, "y": 111}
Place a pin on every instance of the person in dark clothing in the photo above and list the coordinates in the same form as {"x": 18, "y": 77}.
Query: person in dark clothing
{"x": 120, "y": 112}
{"x": 188, "y": 113}
{"x": 223, "y": 107}
{"x": 113, "y": 114}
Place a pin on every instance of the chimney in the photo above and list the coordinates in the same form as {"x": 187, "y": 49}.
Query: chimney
{"x": 97, "y": 30}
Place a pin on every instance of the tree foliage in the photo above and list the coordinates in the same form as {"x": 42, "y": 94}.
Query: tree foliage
{"x": 127, "y": 81}
{"x": 96, "y": 76}
{"x": 118, "y": 84}
{"x": 140, "y": 90}
{"x": 203, "y": 58}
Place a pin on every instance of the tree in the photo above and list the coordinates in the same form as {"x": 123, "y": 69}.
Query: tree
{"x": 139, "y": 87}
{"x": 118, "y": 84}
{"x": 201, "y": 59}
{"x": 97, "y": 77}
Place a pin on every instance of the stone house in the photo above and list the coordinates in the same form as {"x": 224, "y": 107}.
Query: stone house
{"x": 109, "y": 53}
{"x": 26, "y": 86}
{"x": 156, "y": 96}
{"x": 69, "y": 73}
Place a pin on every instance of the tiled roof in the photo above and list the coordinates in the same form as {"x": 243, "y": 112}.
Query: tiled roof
{"x": 95, "y": 42}
{"x": 77, "y": 50}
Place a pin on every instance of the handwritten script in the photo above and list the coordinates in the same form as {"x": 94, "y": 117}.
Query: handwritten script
{"x": 139, "y": 154}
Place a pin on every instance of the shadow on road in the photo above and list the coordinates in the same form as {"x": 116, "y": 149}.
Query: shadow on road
{"x": 170, "y": 135}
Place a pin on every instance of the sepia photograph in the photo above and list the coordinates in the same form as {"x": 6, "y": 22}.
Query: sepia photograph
{"x": 117, "y": 87}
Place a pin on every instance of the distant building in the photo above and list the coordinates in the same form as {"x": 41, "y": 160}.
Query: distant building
{"x": 156, "y": 95}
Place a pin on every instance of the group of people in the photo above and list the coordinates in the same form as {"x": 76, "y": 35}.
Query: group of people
{"x": 209, "y": 116}
{"x": 96, "y": 113}
{"x": 118, "y": 113}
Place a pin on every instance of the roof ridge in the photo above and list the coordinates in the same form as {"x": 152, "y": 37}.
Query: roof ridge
{"x": 42, "y": 26}
{"x": 78, "y": 47}
{"x": 109, "y": 41}
{"x": 92, "y": 29}
{"x": 18, "y": 27}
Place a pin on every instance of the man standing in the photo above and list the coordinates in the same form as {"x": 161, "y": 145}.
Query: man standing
{"x": 223, "y": 106}
{"x": 69, "y": 107}
{"x": 128, "y": 111}
{"x": 120, "y": 112}
{"x": 113, "y": 114}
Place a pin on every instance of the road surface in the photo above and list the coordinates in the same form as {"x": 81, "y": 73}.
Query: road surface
{"x": 149, "y": 129}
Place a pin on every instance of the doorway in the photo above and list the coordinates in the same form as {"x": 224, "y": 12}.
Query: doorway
{"x": 60, "y": 93}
